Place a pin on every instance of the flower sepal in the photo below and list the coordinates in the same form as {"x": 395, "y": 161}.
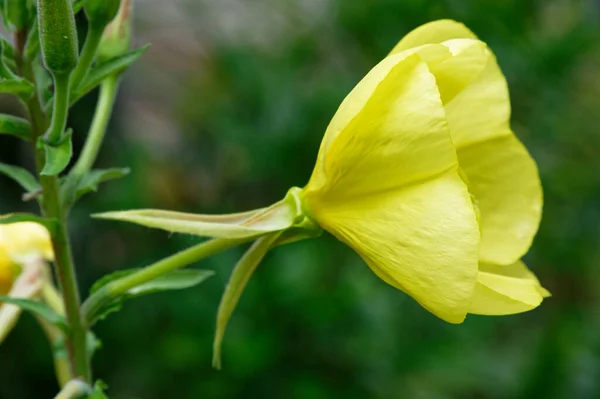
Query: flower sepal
{"x": 287, "y": 215}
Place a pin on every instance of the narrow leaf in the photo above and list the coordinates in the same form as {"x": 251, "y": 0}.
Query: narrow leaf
{"x": 21, "y": 176}
{"x": 99, "y": 388}
{"x": 38, "y": 309}
{"x": 15, "y": 126}
{"x": 279, "y": 216}
{"x": 237, "y": 282}
{"x": 175, "y": 280}
{"x": 32, "y": 45}
{"x": 57, "y": 158}
{"x": 108, "y": 68}
{"x": 16, "y": 86}
{"x": 94, "y": 178}
{"x": 77, "y": 5}
{"x": 76, "y": 186}
{"x": 49, "y": 224}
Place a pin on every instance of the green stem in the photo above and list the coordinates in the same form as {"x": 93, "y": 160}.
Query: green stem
{"x": 65, "y": 270}
{"x": 76, "y": 340}
{"x": 108, "y": 92}
{"x": 181, "y": 259}
{"x": 61, "y": 109}
{"x": 88, "y": 52}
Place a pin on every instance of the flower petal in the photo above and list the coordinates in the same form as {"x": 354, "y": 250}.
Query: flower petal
{"x": 434, "y": 32}
{"x": 25, "y": 240}
{"x": 7, "y": 274}
{"x": 502, "y": 290}
{"x": 501, "y": 175}
{"x": 380, "y": 77}
{"x": 399, "y": 137}
{"x": 482, "y": 110}
{"x": 504, "y": 180}
{"x": 453, "y": 74}
{"x": 27, "y": 285}
{"x": 422, "y": 239}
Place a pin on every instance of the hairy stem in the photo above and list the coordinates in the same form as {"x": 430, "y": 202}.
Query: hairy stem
{"x": 108, "y": 92}
{"x": 61, "y": 109}
{"x": 65, "y": 270}
{"x": 76, "y": 340}
{"x": 88, "y": 52}
{"x": 181, "y": 259}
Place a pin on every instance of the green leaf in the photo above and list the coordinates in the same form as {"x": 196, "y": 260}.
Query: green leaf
{"x": 32, "y": 45}
{"x": 108, "y": 68}
{"x": 99, "y": 388}
{"x": 21, "y": 176}
{"x": 58, "y": 157}
{"x": 235, "y": 287}
{"x": 16, "y": 86}
{"x": 175, "y": 280}
{"x": 38, "y": 309}
{"x": 15, "y": 126}
{"x": 76, "y": 186}
{"x": 92, "y": 343}
{"x": 49, "y": 224}
{"x": 78, "y": 5}
{"x": 94, "y": 178}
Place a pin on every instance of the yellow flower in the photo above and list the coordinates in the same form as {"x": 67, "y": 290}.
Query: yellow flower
{"x": 25, "y": 240}
{"x": 391, "y": 173}
{"x": 24, "y": 247}
{"x": 6, "y": 272}
{"x": 420, "y": 173}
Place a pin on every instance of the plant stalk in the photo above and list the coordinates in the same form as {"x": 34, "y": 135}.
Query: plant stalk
{"x": 51, "y": 207}
{"x": 106, "y": 100}
{"x": 65, "y": 270}
{"x": 60, "y": 112}
{"x": 181, "y": 259}
{"x": 88, "y": 52}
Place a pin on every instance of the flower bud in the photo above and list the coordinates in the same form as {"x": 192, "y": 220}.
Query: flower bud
{"x": 58, "y": 35}
{"x": 116, "y": 40}
{"x": 101, "y": 12}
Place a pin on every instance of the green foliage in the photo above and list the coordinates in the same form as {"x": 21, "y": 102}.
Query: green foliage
{"x": 49, "y": 223}
{"x": 57, "y": 156}
{"x": 32, "y": 45}
{"x": 76, "y": 186}
{"x": 113, "y": 66}
{"x": 15, "y": 126}
{"x": 98, "y": 390}
{"x": 175, "y": 280}
{"x": 39, "y": 309}
{"x": 101, "y": 12}
{"x": 21, "y": 176}
{"x": 16, "y": 86}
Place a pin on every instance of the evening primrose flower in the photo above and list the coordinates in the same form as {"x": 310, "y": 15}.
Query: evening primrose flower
{"x": 500, "y": 174}
{"x": 418, "y": 172}
{"x": 24, "y": 248}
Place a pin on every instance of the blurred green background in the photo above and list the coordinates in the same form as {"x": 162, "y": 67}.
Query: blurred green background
{"x": 225, "y": 112}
